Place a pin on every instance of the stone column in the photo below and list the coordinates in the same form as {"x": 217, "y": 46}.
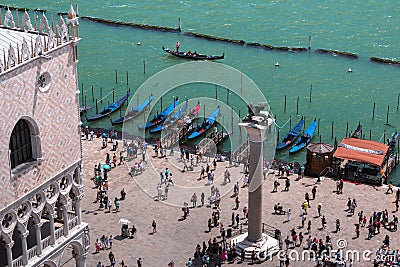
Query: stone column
{"x": 52, "y": 229}
{"x": 24, "y": 245}
{"x": 38, "y": 227}
{"x": 65, "y": 219}
{"x": 9, "y": 253}
{"x": 78, "y": 208}
{"x": 255, "y": 133}
{"x": 81, "y": 260}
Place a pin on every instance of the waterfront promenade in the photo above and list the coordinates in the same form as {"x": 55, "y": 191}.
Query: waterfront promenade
{"x": 176, "y": 239}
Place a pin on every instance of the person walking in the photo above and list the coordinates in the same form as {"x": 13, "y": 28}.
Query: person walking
{"x": 139, "y": 262}
{"x": 288, "y": 215}
{"x": 194, "y": 200}
{"x": 110, "y": 240}
{"x": 154, "y": 225}
{"x": 309, "y": 227}
{"x": 111, "y": 257}
{"x": 287, "y": 184}
{"x": 323, "y": 221}
{"x": 202, "y": 196}
{"x": 357, "y": 230}
{"x": 319, "y": 209}
{"x": 303, "y": 219}
{"x": 390, "y": 188}
{"x": 337, "y": 225}
{"x": 237, "y": 202}
{"x": 314, "y": 192}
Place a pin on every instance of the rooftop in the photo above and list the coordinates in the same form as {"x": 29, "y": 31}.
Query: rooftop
{"x": 21, "y": 40}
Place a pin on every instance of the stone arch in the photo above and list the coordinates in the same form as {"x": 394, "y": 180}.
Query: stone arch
{"x": 49, "y": 263}
{"x": 77, "y": 252}
{"x": 76, "y": 176}
{"x": 4, "y": 240}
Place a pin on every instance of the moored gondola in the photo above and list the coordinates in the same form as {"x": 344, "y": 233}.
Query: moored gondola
{"x": 110, "y": 109}
{"x": 134, "y": 112}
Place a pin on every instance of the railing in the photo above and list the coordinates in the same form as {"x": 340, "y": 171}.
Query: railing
{"x": 59, "y": 232}
{"x": 32, "y": 252}
{"x": 242, "y": 153}
{"x": 18, "y": 262}
{"x": 72, "y": 223}
{"x": 326, "y": 171}
{"x": 46, "y": 242}
{"x": 71, "y": 215}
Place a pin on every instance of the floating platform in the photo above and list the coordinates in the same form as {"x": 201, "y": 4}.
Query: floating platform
{"x": 385, "y": 60}
{"x": 336, "y": 52}
{"x": 215, "y": 38}
{"x": 130, "y": 24}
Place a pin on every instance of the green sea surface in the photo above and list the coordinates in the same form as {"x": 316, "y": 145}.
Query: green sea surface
{"x": 367, "y": 28}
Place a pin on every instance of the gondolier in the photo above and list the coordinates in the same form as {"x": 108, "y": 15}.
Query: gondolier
{"x": 177, "y": 46}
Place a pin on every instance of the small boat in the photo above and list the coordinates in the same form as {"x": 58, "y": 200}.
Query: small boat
{"x": 171, "y": 119}
{"x": 134, "y": 112}
{"x": 110, "y": 109}
{"x": 159, "y": 118}
{"x": 305, "y": 139}
{"x": 207, "y": 124}
{"x": 194, "y": 56}
{"x": 292, "y": 135}
{"x": 357, "y": 133}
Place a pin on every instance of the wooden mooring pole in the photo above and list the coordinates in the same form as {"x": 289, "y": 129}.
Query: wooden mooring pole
{"x": 127, "y": 78}
{"x": 387, "y": 115}
{"x": 113, "y": 94}
{"x": 144, "y": 67}
{"x": 83, "y": 98}
{"x": 370, "y": 134}
{"x": 317, "y": 126}
{"x": 347, "y": 129}
{"x": 297, "y": 105}
{"x": 373, "y": 112}
{"x": 101, "y": 94}
{"x": 92, "y": 94}
{"x": 284, "y": 105}
{"x": 97, "y": 109}
{"x": 398, "y": 102}
{"x": 116, "y": 76}
{"x": 310, "y": 92}
{"x": 290, "y": 122}
{"x": 309, "y": 42}
{"x": 332, "y": 129}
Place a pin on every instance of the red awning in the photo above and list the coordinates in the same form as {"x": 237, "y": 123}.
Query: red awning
{"x": 360, "y": 150}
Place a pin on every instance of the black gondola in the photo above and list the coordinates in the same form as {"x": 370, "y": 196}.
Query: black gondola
{"x": 194, "y": 55}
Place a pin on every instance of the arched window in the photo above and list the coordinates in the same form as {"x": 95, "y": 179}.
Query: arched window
{"x": 21, "y": 144}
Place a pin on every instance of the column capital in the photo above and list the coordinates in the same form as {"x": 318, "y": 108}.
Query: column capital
{"x": 39, "y": 224}
{"x": 25, "y": 234}
{"x": 10, "y": 244}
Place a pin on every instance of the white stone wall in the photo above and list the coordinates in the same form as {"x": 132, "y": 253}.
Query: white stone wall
{"x": 56, "y": 112}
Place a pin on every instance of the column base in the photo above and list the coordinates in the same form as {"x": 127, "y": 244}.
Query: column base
{"x": 265, "y": 248}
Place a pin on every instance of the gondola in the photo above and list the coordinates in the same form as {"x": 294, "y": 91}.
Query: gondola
{"x": 292, "y": 135}
{"x": 194, "y": 55}
{"x": 171, "y": 119}
{"x": 358, "y": 132}
{"x": 305, "y": 139}
{"x": 159, "y": 118}
{"x": 134, "y": 112}
{"x": 110, "y": 109}
{"x": 206, "y": 125}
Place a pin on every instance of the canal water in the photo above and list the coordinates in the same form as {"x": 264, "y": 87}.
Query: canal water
{"x": 368, "y": 28}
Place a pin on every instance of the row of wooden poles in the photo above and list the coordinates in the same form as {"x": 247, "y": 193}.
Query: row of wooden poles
{"x": 373, "y": 110}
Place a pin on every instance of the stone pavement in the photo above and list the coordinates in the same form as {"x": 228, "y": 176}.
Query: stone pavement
{"x": 176, "y": 239}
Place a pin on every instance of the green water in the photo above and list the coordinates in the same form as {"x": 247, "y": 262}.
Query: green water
{"x": 368, "y": 28}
